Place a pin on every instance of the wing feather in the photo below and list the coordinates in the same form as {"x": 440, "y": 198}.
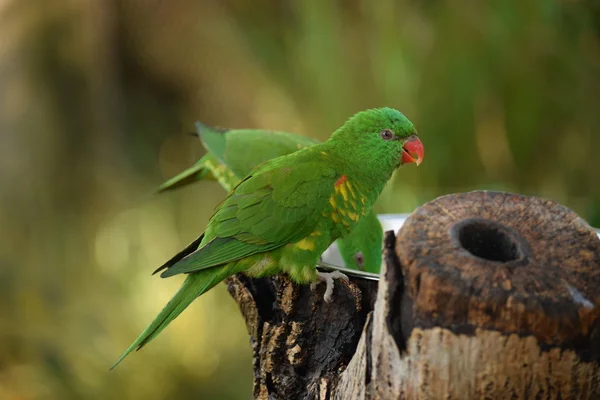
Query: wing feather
{"x": 275, "y": 205}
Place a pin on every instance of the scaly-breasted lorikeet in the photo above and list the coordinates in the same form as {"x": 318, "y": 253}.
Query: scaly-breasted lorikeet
{"x": 233, "y": 153}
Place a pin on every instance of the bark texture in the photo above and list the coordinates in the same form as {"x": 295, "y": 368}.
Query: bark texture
{"x": 483, "y": 295}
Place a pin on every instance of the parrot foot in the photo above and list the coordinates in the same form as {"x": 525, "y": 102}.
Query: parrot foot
{"x": 328, "y": 278}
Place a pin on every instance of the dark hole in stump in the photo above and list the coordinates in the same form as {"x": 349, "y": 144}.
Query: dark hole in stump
{"x": 488, "y": 240}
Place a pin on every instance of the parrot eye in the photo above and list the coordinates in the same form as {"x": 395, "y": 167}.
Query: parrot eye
{"x": 386, "y": 134}
{"x": 359, "y": 259}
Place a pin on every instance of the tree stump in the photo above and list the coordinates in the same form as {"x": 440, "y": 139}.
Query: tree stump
{"x": 482, "y": 295}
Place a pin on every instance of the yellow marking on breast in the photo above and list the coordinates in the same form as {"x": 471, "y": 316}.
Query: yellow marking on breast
{"x": 343, "y": 191}
{"x": 353, "y": 216}
{"x": 335, "y": 217}
{"x": 305, "y": 244}
{"x": 333, "y": 202}
{"x": 323, "y": 153}
{"x": 350, "y": 188}
{"x": 353, "y": 204}
{"x": 316, "y": 233}
{"x": 324, "y": 214}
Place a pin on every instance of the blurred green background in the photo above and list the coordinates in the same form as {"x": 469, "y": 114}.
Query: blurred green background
{"x": 96, "y": 98}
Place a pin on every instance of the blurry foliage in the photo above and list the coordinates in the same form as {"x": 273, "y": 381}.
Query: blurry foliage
{"x": 96, "y": 98}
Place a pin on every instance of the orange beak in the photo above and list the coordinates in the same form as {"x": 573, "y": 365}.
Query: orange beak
{"x": 413, "y": 151}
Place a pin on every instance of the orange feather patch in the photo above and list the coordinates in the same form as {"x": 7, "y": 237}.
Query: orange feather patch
{"x": 340, "y": 181}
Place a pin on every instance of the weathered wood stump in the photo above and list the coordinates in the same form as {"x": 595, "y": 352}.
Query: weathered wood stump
{"x": 483, "y": 295}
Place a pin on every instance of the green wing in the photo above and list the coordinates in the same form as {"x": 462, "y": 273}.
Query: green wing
{"x": 189, "y": 249}
{"x": 271, "y": 208}
{"x": 233, "y": 153}
{"x": 241, "y": 150}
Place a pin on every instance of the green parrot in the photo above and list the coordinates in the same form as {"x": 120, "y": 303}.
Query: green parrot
{"x": 233, "y": 153}
{"x": 284, "y": 214}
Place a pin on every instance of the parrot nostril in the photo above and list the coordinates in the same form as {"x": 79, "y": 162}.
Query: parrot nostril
{"x": 488, "y": 240}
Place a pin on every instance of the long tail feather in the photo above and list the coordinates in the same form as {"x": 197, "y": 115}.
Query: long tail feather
{"x": 195, "y": 285}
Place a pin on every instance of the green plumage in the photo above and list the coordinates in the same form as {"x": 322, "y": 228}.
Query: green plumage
{"x": 362, "y": 248}
{"x": 232, "y": 154}
{"x": 287, "y": 211}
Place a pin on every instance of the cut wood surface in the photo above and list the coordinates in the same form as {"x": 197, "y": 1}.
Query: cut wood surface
{"x": 483, "y": 295}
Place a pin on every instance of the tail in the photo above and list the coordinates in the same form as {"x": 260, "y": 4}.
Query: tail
{"x": 194, "y": 285}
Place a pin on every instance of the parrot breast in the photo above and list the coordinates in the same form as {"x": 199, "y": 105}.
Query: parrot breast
{"x": 348, "y": 204}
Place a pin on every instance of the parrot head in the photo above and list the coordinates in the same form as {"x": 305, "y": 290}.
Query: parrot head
{"x": 361, "y": 249}
{"x": 384, "y": 136}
